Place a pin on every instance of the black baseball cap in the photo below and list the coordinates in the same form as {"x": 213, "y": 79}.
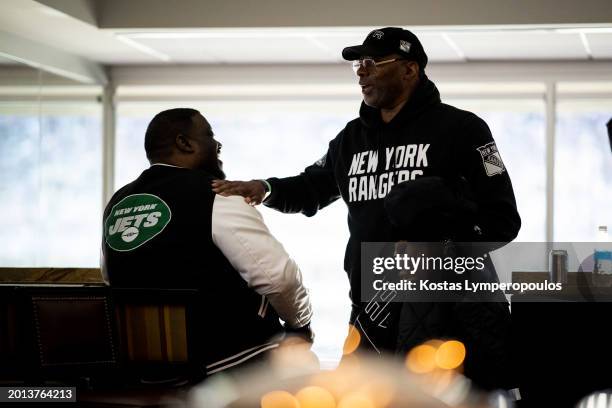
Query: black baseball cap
{"x": 389, "y": 40}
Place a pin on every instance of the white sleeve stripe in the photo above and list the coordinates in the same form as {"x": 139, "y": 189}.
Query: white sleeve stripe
{"x": 263, "y": 302}
{"x": 271, "y": 346}
{"x": 216, "y": 363}
{"x": 265, "y": 309}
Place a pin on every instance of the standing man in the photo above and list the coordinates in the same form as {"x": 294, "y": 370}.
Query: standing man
{"x": 168, "y": 229}
{"x": 405, "y": 136}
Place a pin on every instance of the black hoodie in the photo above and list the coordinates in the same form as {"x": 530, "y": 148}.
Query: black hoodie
{"x": 369, "y": 157}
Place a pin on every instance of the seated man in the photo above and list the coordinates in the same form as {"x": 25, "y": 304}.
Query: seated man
{"x": 168, "y": 229}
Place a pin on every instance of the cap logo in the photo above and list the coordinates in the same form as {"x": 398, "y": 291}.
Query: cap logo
{"x": 377, "y": 34}
{"x": 405, "y": 46}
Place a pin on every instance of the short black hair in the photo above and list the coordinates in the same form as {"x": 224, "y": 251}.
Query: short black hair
{"x": 163, "y": 129}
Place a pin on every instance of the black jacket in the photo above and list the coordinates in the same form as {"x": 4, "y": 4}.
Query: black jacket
{"x": 369, "y": 157}
{"x": 157, "y": 234}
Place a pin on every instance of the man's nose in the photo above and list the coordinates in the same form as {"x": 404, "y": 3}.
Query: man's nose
{"x": 361, "y": 71}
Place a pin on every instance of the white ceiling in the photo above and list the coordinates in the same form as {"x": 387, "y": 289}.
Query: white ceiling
{"x": 7, "y": 61}
{"x": 54, "y": 29}
{"x": 325, "y": 45}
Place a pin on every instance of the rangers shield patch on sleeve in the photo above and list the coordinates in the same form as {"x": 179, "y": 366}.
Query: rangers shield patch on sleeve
{"x": 491, "y": 159}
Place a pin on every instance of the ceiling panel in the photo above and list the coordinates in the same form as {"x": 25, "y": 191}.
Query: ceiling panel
{"x": 36, "y": 22}
{"x": 524, "y": 45}
{"x": 281, "y": 47}
{"x": 600, "y": 44}
{"x": 33, "y": 21}
{"x": 6, "y": 61}
{"x": 237, "y": 49}
{"x": 437, "y": 48}
{"x": 336, "y": 42}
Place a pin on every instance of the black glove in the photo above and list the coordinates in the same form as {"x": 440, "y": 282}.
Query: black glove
{"x": 305, "y": 332}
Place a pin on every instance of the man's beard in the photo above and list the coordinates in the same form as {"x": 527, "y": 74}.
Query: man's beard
{"x": 216, "y": 171}
{"x": 213, "y": 168}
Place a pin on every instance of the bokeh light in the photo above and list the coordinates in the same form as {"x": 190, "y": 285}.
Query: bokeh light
{"x": 450, "y": 355}
{"x": 279, "y": 399}
{"x": 435, "y": 354}
{"x": 422, "y": 359}
{"x": 315, "y": 397}
{"x": 352, "y": 340}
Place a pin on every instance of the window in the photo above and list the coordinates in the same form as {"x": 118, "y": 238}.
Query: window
{"x": 51, "y": 184}
{"x": 583, "y": 170}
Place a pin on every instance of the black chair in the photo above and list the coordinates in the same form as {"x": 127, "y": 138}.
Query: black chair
{"x": 13, "y": 350}
{"x": 115, "y": 345}
{"x": 68, "y": 332}
{"x": 159, "y": 338}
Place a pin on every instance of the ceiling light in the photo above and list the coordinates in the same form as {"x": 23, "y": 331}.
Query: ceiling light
{"x": 143, "y": 48}
{"x": 591, "y": 30}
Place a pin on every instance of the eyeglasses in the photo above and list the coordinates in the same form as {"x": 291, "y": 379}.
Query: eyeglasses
{"x": 370, "y": 65}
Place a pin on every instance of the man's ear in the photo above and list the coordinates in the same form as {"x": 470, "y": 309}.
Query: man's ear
{"x": 183, "y": 144}
{"x": 412, "y": 69}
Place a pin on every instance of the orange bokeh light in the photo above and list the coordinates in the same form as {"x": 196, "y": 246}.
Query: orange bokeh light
{"x": 315, "y": 397}
{"x": 279, "y": 399}
{"x": 352, "y": 340}
{"x": 450, "y": 355}
{"x": 422, "y": 359}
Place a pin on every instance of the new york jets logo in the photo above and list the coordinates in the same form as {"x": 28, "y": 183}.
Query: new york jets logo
{"x": 135, "y": 220}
